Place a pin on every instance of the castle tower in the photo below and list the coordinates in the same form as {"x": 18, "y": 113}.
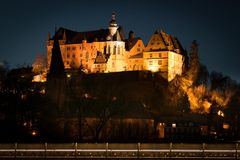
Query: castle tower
{"x": 56, "y": 78}
{"x": 56, "y": 65}
{"x": 113, "y": 25}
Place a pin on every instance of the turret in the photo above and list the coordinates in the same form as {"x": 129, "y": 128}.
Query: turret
{"x": 113, "y": 25}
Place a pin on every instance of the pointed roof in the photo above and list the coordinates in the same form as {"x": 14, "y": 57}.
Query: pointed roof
{"x": 113, "y": 22}
{"x": 130, "y": 43}
{"x": 139, "y": 55}
{"x": 56, "y": 65}
{"x": 100, "y": 58}
{"x": 161, "y": 41}
{"x": 73, "y": 37}
{"x": 78, "y": 37}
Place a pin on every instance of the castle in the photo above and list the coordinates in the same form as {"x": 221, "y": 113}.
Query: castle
{"x": 90, "y": 101}
{"x": 107, "y": 50}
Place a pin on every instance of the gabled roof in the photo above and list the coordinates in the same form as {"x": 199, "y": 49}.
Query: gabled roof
{"x": 90, "y": 36}
{"x": 170, "y": 40}
{"x": 139, "y": 55}
{"x": 78, "y": 37}
{"x": 131, "y": 43}
{"x": 101, "y": 58}
{"x": 165, "y": 42}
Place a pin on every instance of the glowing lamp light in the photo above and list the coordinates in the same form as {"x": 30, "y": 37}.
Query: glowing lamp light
{"x": 161, "y": 124}
{"x": 68, "y": 75}
{"x": 174, "y": 125}
{"x": 43, "y": 91}
{"x": 220, "y": 113}
{"x": 226, "y": 126}
{"x": 34, "y": 133}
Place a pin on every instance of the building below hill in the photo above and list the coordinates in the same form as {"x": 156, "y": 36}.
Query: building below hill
{"x": 107, "y": 50}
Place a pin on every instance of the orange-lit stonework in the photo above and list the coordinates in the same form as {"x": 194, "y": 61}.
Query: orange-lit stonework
{"x": 107, "y": 50}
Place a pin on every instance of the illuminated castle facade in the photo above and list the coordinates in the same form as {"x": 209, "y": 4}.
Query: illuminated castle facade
{"x": 107, "y": 50}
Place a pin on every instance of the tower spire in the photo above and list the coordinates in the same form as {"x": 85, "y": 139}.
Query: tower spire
{"x": 113, "y": 24}
{"x": 56, "y": 65}
{"x": 113, "y": 16}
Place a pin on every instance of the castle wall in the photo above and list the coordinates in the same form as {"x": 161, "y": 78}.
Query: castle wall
{"x": 160, "y": 55}
{"x": 83, "y": 55}
{"x": 175, "y": 63}
{"x": 135, "y": 64}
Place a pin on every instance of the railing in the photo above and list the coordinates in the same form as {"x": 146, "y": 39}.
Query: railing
{"x": 119, "y": 151}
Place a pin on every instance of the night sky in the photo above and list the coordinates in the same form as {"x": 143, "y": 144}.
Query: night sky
{"x": 215, "y": 24}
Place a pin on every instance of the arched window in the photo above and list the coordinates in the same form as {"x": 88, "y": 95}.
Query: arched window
{"x": 109, "y": 49}
{"x": 115, "y": 50}
{"x": 119, "y": 50}
{"x": 105, "y": 50}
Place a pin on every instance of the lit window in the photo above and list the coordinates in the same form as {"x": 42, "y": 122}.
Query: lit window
{"x": 119, "y": 49}
{"x": 150, "y": 55}
{"x": 220, "y": 113}
{"x": 109, "y": 49}
{"x": 115, "y": 50}
{"x": 34, "y": 133}
{"x": 150, "y": 62}
{"x": 159, "y": 62}
{"x": 226, "y": 126}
